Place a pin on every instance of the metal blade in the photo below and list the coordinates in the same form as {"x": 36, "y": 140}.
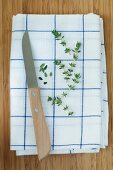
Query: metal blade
{"x": 28, "y": 61}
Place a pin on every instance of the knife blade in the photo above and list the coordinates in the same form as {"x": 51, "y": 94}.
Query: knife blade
{"x": 40, "y": 125}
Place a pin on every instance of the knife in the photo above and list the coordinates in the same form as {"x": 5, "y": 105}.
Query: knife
{"x": 40, "y": 126}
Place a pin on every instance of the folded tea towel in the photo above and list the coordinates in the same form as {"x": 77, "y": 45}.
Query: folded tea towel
{"x": 87, "y": 129}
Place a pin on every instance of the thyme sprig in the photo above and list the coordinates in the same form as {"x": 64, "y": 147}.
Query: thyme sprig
{"x": 74, "y": 52}
{"x": 60, "y": 37}
{"x": 58, "y": 101}
{"x": 68, "y": 73}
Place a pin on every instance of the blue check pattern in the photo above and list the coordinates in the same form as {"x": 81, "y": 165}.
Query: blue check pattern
{"x": 82, "y": 89}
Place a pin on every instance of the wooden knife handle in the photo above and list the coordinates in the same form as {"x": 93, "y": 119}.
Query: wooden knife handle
{"x": 40, "y": 126}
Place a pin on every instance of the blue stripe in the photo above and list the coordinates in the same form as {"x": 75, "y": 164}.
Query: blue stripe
{"x": 98, "y": 88}
{"x": 26, "y": 23}
{"x": 25, "y": 101}
{"x": 69, "y": 117}
{"x": 54, "y": 80}
{"x": 76, "y": 144}
{"x": 87, "y": 59}
{"x": 82, "y": 90}
{"x": 25, "y": 116}
{"x": 58, "y": 30}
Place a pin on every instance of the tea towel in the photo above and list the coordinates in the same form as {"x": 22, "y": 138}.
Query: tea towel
{"x": 87, "y": 129}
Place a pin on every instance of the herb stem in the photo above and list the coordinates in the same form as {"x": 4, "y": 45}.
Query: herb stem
{"x": 68, "y": 73}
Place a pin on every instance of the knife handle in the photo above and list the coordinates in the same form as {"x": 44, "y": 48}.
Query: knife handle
{"x": 40, "y": 126}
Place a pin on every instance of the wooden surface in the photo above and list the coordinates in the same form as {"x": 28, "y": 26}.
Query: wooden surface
{"x": 8, "y": 160}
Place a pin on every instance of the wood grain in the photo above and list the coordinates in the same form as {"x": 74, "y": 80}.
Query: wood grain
{"x": 8, "y": 159}
{"x": 1, "y": 95}
{"x": 40, "y": 126}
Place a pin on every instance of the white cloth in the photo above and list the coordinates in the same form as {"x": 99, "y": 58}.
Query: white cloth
{"x": 87, "y": 129}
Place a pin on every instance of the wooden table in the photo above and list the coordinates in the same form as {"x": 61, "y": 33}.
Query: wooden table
{"x": 8, "y": 160}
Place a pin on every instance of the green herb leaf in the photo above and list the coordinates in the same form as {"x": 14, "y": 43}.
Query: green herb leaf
{"x": 63, "y": 43}
{"x": 72, "y": 64}
{"x": 67, "y": 50}
{"x": 57, "y": 62}
{"x": 78, "y": 45}
{"x": 45, "y": 74}
{"x": 75, "y": 57}
{"x": 77, "y": 76}
{"x": 70, "y": 70}
{"x": 61, "y": 66}
{"x": 75, "y": 81}
{"x": 66, "y": 78}
{"x": 64, "y": 94}
{"x": 70, "y": 113}
{"x": 71, "y": 87}
{"x": 69, "y": 74}
{"x": 49, "y": 99}
{"x": 56, "y": 34}
{"x": 65, "y": 108}
{"x": 42, "y": 65}
{"x": 45, "y": 67}
{"x": 58, "y": 101}
{"x": 51, "y": 74}
{"x": 65, "y": 72}
{"x": 54, "y": 100}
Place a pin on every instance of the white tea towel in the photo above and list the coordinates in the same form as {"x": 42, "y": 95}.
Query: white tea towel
{"x": 84, "y": 131}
